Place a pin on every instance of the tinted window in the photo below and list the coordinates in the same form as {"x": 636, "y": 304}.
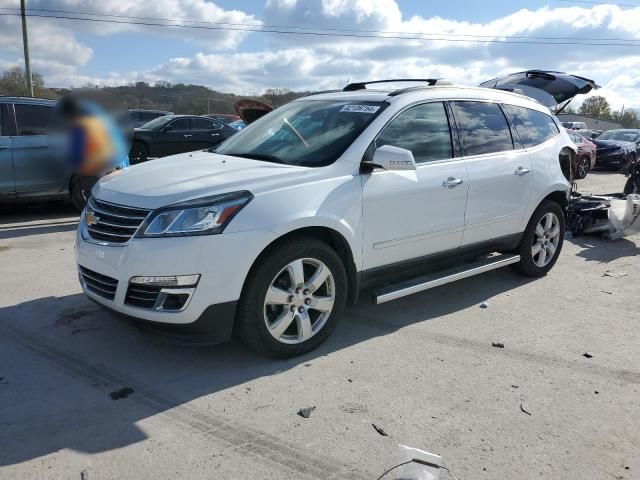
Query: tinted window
{"x": 533, "y": 127}
{"x": 32, "y": 119}
{"x": 423, "y": 129}
{"x": 204, "y": 124}
{"x": 1, "y": 119}
{"x": 484, "y": 127}
{"x": 181, "y": 124}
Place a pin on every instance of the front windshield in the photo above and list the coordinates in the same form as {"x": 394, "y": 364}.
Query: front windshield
{"x": 156, "y": 123}
{"x": 620, "y": 135}
{"x": 310, "y": 133}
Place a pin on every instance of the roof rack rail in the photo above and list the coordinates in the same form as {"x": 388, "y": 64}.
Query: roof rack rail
{"x": 322, "y": 91}
{"x": 363, "y": 85}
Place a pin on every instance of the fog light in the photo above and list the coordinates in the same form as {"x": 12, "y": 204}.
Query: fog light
{"x": 168, "y": 281}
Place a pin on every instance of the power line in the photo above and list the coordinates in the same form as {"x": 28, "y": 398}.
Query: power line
{"x": 587, "y": 42}
{"x": 318, "y": 30}
{"x": 602, "y": 3}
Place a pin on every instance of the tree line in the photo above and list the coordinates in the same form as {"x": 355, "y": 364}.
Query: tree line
{"x": 599, "y": 107}
{"x": 191, "y": 99}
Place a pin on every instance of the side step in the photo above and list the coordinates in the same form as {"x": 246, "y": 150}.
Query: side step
{"x": 447, "y": 276}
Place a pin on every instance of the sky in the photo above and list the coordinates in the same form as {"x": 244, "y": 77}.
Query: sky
{"x": 226, "y": 57}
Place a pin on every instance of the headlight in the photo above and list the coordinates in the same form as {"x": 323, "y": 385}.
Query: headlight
{"x": 205, "y": 216}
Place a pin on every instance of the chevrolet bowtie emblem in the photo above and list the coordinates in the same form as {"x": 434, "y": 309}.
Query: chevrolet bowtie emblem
{"x": 90, "y": 218}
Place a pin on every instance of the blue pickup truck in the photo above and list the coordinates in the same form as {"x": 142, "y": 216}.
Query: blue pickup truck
{"x": 27, "y": 170}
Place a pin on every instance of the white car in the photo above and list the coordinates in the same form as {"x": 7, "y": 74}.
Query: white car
{"x": 271, "y": 235}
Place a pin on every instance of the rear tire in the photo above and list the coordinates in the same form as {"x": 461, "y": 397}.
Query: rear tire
{"x": 283, "y": 312}
{"x": 583, "y": 168}
{"x": 139, "y": 153}
{"x": 542, "y": 240}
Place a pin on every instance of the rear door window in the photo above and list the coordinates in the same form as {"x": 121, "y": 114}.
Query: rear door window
{"x": 534, "y": 127}
{"x": 483, "y": 127}
{"x": 181, "y": 124}
{"x": 204, "y": 124}
{"x": 32, "y": 119}
{"x": 423, "y": 129}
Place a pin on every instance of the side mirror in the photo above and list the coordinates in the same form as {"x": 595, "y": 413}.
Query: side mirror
{"x": 393, "y": 158}
{"x": 168, "y": 128}
{"x": 594, "y": 135}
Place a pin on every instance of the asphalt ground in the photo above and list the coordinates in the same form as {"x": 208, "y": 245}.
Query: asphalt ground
{"x": 422, "y": 368}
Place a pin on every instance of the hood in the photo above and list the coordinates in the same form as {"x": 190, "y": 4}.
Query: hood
{"x": 178, "y": 178}
{"x": 548, "y": 87}
{"x": 611, "y": 144}
{"x": 251, "y": 110}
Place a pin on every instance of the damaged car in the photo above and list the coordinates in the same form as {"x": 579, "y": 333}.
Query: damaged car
{"x": 375, "y": 187}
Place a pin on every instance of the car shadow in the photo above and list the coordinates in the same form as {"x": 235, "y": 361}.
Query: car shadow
{"x": 24, "y": 220}
{"x": 65, "y": 358}
{"x": 594, "y": 248}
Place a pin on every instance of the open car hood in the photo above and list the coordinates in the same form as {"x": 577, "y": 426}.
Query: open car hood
{"x": 548, "y": 87}
{"x": 251, "y": 110}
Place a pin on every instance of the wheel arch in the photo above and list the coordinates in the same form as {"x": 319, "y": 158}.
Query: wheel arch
{"x": 331, "y": 237}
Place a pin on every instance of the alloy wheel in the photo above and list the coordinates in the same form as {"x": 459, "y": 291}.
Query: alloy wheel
{"x": 546, "y": 239}
{"x": 299, "y": 300}
{"x": 583, "y": 168}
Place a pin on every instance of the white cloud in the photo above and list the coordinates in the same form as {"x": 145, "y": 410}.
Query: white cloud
{"x": 181, "y": 12}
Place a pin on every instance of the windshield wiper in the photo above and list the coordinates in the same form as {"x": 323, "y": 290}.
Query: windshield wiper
{"x": 258, "y": 156}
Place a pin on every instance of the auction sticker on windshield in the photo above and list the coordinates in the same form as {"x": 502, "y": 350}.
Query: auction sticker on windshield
{"x": 360, "y": 108}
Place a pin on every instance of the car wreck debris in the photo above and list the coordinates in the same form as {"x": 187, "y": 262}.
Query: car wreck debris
{"x": 306, "y": 412}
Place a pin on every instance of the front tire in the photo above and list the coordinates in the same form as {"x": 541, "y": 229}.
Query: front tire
{"x": 292, "y": 299}
{"x": 542, "y": 240}
{"x": 79, "y": 191}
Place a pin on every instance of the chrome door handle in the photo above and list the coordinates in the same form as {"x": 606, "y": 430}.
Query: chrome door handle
{"x": 451, "y": 182}
{"x": 215, "y": 134}
{"x": 188, "y": 135}
{"x": 522, "y": 171}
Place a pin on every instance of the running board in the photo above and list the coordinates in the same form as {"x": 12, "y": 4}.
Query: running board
{"x": 430, "y": 281}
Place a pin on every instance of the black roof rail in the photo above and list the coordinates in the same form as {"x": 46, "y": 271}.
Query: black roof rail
{"x": 363, "y": 85}
{"x": 322, "y": 91}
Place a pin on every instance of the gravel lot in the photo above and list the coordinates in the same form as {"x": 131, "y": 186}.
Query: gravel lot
{"x": 422, "y": 368}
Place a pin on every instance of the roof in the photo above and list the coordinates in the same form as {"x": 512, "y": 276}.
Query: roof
{"x": 441, "y": 92}
{"x": 35, "y": 101}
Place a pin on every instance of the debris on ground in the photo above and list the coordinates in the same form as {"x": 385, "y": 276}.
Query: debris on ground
{"x": 122, "y": 393}
{"x": 273, "y": 400}
{"x": 596, "y": 392}
{"x": 515, "y": 386}
{"x": 611, "y": 273}
{"x": 306, "y": 412}
{"x": 349, "y": 380}
{"x": 484, "y": 305}
{"x": 379, "y": 430}
{"x": 523, "y": 410}
{"x": 84, "y": 475}
{"x": 587, "y": 355}
{"x": 608, "y": 293}
{"x": 353, "y": 407}
{"x": 497, "y": 344}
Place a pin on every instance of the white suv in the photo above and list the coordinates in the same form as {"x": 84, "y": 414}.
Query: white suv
{"x": 271, "y": 235}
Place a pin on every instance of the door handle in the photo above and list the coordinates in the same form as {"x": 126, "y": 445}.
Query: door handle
{"x": 187, "y": 135}
{"x": 522, "y": 171}
{"x": 4, "y": 147}
{"x": 215, "y": 134}
{"x": 451, "y": 182}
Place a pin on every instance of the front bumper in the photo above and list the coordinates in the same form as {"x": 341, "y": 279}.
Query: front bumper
{"x": 613, "y": 159}
{"x": 222, "y": 261}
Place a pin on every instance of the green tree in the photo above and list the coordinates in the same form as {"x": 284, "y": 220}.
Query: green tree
{"x": 626, "y": 118}
{"x": 13, "y": 82}
{"x": 597, "y": 107}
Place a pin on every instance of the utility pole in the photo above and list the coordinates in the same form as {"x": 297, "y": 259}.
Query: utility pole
{"x": 25, "y": 43}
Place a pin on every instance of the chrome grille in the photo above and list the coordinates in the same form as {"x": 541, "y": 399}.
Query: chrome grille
{"x": 97, "y": 283}
{"x": 112, "y": 223}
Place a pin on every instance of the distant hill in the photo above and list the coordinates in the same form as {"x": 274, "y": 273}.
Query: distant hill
{"x": 185, "y": 98}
